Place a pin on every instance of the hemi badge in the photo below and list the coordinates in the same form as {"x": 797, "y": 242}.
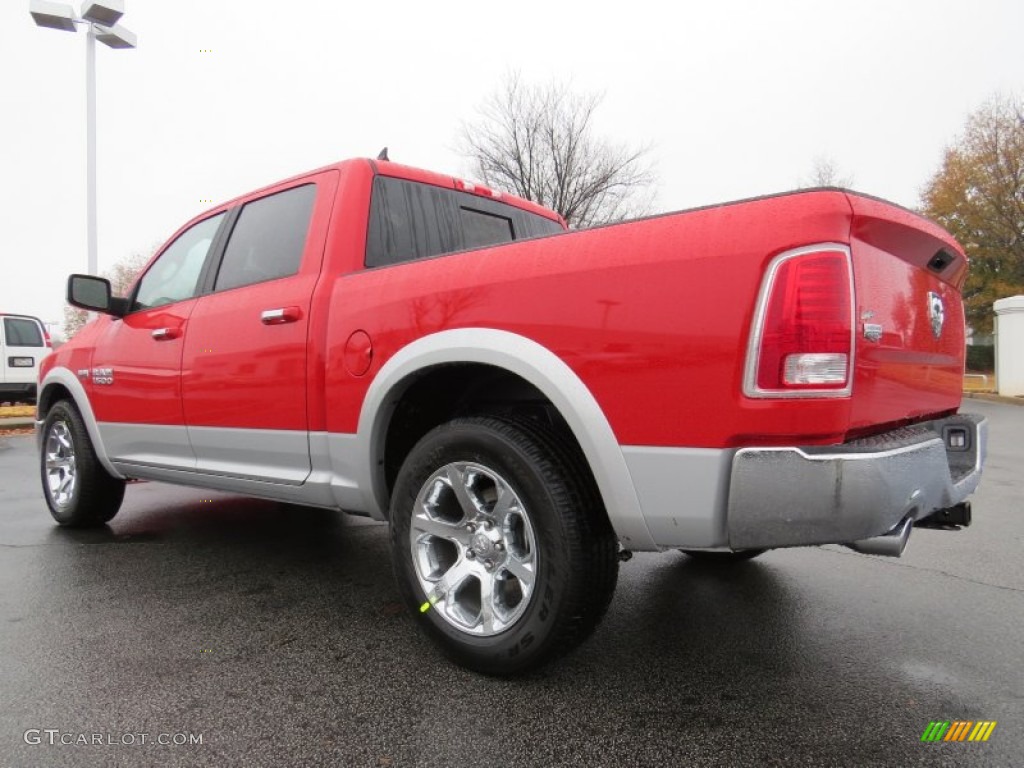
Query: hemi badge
{"x": 83, "y": 373}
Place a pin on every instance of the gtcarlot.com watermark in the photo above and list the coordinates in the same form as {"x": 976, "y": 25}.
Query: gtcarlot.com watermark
{"x": 57, "y": 737}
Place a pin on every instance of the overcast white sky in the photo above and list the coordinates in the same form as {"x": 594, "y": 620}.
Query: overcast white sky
{"x": 737, "y": 98}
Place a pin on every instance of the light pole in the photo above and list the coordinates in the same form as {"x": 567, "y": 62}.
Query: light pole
{"x": 101, "y": 20}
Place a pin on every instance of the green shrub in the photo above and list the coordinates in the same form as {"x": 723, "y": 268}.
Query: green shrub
{"x": 981, "y": 359}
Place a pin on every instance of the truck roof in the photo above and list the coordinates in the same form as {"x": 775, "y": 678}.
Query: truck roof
{"x": 397, "y": 170}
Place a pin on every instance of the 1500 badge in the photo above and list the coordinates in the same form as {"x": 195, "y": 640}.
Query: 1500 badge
{"x": 103, "y": 375}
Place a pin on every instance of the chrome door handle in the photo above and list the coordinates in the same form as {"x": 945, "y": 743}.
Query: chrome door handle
{"x": 163, "y": 334}
{"x": 280, "y": 315}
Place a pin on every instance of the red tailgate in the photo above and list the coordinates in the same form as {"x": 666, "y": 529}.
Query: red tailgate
{"x": 908, "y": 273}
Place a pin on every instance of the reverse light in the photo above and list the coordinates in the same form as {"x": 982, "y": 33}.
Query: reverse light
{"x": 815, "y": 368}
{"x": 801, "y": 344}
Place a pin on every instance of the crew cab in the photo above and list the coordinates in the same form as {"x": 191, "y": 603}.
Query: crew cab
{"x": 526, "y": 405}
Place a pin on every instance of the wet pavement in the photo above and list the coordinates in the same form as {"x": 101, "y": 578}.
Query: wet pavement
{"x": 273, "y": 634}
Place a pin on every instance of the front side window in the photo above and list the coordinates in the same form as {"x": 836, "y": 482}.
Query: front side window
{"x": 22, "y": 332}
{"x": 268, "y": 240}
{"x": 174, "y": 276}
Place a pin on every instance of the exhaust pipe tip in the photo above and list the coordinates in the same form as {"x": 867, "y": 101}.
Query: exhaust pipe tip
{"x": 889, "y": 544}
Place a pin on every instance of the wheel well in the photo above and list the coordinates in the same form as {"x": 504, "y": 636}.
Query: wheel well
{"x": 49, "y": 396}
{"x": 444, "y": 392}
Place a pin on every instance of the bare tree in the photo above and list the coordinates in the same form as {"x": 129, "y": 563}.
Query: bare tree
{"x": 538, "y": 143}
{"x": 121, "y": 276}
{"x": 825, "y": 173}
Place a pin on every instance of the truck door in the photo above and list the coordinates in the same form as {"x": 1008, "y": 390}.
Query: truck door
{"x": 245, "y": 360}
{"x": 134, "y": 384}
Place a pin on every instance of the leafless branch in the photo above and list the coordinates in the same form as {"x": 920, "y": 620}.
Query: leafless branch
{"x": 538, "y": 143}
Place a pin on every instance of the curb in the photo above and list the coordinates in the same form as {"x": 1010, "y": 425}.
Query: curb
{"x": 17, "y": 422}
{"x": 995, "y": 398}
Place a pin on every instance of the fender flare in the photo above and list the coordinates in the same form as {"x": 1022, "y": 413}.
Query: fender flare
{"x": 530, "y": 361}
{"x": 70, "y": 382}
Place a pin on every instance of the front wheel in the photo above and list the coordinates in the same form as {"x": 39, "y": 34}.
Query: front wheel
{"x": 502, "y": 549}
{"x": 78, "y": 490}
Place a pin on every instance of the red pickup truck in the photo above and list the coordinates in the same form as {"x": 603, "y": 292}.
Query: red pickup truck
{"x": 524, "y": 404}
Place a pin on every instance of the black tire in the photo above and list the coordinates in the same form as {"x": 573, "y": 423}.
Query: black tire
{"x": 83, "y": 493}
{"x": 739, "y": 556}
{"x": 571, "y": 543}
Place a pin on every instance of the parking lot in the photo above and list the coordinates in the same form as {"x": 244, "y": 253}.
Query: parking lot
{"x": 273, "y": 636}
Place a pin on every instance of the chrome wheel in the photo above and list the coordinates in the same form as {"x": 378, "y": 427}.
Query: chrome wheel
{"x": 61, "y": 470}
{"x": 79, "y": 491}
{"x": 501, "y": 546}
{"x": 473, "y": 549}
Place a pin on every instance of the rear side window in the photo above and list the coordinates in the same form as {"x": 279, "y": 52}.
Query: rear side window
{"x": 268, "y": 239}
{"x": 481, "y": 229}
{"x": 410, "y": 220}
{"x": 22, "y": 332}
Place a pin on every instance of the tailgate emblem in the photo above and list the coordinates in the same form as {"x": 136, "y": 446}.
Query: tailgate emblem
{"x": 936, "y": 313}
{"x": 873, "y": 331}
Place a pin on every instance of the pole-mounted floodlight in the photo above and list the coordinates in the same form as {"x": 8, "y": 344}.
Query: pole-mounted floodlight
{"x": 53, "y": 15}
{"x": 106, "y": 14}
{"x": 101, "y": 20}
{"x": 115, "y": 36}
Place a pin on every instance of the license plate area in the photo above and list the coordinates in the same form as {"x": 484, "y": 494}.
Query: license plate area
{"x": 21, "y": 362}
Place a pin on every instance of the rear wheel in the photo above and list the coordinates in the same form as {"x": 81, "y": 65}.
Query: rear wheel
{"x": 501, "y": 546}
{"x": 78, "y": 490}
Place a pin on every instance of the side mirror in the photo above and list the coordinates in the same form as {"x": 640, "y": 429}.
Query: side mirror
{"x": 94, "y": 294}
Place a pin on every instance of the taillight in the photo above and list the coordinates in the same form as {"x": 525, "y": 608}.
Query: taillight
{"x": 46, "y": 338}
{"x": 801, "y": 344}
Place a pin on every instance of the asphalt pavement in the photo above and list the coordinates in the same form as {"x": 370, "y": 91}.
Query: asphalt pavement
{"x": 273, "y": 635}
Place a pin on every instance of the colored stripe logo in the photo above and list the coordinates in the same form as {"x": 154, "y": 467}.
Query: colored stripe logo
{"x": 958, "y": 730}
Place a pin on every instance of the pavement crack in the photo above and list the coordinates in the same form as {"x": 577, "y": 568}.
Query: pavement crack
{"x": 957, "y": 577}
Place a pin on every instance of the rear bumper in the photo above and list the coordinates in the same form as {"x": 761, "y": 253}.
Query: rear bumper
{"x": 783, "y": 497}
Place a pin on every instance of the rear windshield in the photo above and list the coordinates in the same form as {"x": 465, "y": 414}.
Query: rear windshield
{"x": 22, "y": 332}
{"x": 410, "y": 220}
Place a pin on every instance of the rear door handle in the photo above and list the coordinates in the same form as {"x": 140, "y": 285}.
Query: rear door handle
{"x": 164, "y": 334}
{"x": 280, "y": 315}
